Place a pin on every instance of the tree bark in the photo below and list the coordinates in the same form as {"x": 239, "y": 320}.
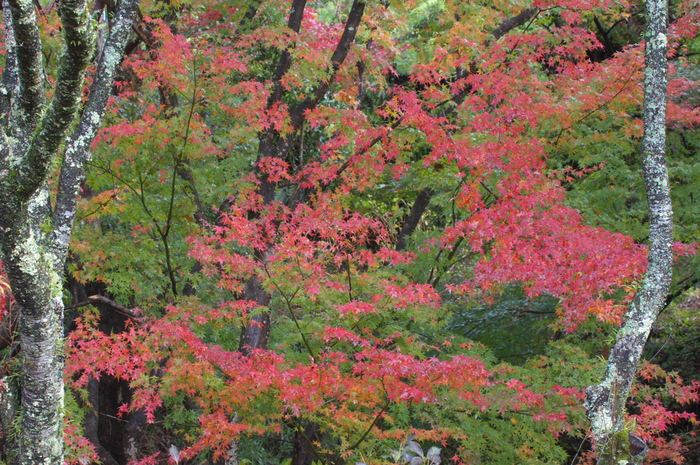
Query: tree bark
{"x": 33, "y": 248}
{"x": 605, "y": 402}
{"x": 411, "y": 222}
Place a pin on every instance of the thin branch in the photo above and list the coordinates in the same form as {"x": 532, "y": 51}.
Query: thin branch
{"x": 8, "y": 326}
{"x": 290, "y": 308}
{"x": 349, "y": 277}
{"x": 374, "y": 423}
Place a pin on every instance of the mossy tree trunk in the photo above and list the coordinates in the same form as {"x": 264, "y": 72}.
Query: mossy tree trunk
{"x": 605, "y": 402}
{"x": 34, "y": 231}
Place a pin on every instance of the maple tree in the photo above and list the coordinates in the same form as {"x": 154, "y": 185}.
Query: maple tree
{"x": 291, "y": 204}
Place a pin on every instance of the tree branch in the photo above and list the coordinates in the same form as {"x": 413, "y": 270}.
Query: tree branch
{"x": 9, "y": 90}
{"x": 78, "y": 149}
{"x": 295, "y": 16}
{"x": 511, "y": 23}
{"x": 505, "y": 27}
{"x": 30, "y": 66}
{"x": 100, "y": 299}
{"x": 411, "y": 222}
{"x": 79, "y": 38}
{"x": 8, "y": 327}
{"x": 341, "y": 50}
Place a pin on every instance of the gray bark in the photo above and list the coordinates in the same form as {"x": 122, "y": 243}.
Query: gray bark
{"x": 32, "y": 250}
{"x": 605, "y": 402}
{"x": 26, "y": 48}
{"x": 9, "y": 402}
{"x": 77, "y": 151}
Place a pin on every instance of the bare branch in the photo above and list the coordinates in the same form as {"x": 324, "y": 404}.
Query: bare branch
{"x": 130, "y": 312}
{"x": 511, "y": 23}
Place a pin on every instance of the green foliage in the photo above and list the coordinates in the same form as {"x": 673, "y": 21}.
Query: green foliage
{"x": 137, "y": 225}
{"x": 613, "y": 196}
{"x": 675, "y": 345}
{"x": 514, "y": 327}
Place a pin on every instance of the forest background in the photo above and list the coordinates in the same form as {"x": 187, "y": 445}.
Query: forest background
{"x": 365, "y": 232}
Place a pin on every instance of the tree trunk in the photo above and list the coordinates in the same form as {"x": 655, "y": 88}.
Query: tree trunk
{"x": 605, "y": 402}
{"x": 34, "y": 242}
{"x": 411, "y": 222}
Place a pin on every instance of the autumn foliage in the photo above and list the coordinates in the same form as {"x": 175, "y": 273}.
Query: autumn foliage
{"x": 257, "y": 171}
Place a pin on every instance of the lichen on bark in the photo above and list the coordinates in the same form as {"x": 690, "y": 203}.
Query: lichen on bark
{"x": 34, "y": 243}
{"x": 605, "y": 403}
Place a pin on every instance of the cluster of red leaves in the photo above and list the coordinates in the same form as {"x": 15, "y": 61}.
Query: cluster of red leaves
{"x": 5, "y": 292}
{"x": 79, "y": 449}
{"x": 655, "y": 392}
{"x": 344, "y": 390}
{"x": 548, "y": 248}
